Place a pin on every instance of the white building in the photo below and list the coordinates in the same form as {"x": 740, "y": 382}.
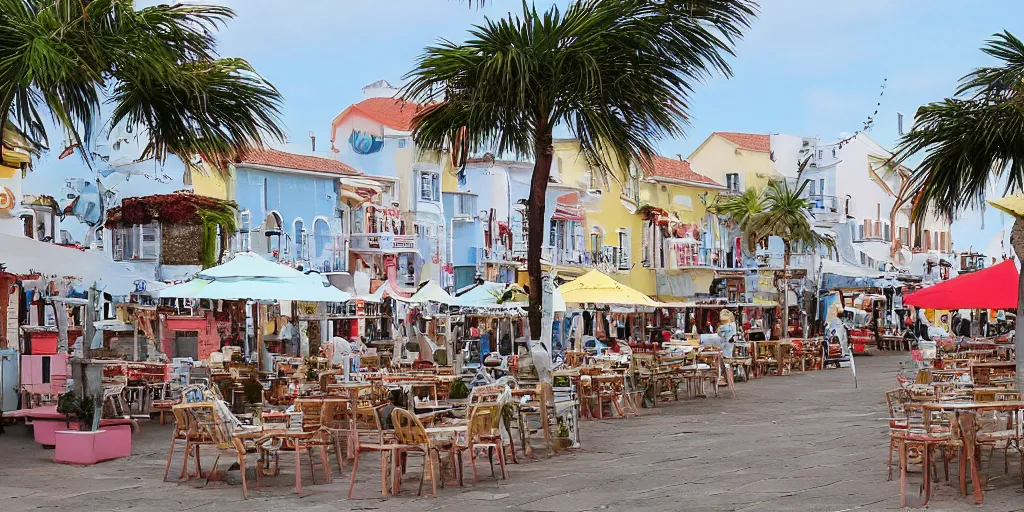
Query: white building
{"x": 853, "y": 191}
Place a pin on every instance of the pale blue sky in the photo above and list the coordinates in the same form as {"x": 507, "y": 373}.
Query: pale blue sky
{"x": 806, "y": 67}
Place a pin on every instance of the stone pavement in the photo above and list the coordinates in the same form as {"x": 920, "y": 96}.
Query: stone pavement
{"x": 807, "y": 442}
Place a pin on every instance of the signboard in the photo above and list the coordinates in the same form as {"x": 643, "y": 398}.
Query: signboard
{"x": 766, "y": 281}
{"x": 383, "y": 242}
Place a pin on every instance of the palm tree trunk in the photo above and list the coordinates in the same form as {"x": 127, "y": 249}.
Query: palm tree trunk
{"x": 1017, "y": 242}
{"x": 535, "y": 219}
{"x": 785, "y": 291}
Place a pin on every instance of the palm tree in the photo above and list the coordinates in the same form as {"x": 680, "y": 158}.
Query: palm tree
{"x": 616, "y": 74}
{"x": 741, "y": 209}
{"x": 156, "y": 67}
{"x": 786, "y": 215}
{"x": 970, "y": 140}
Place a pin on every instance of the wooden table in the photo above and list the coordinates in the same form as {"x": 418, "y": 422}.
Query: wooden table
{"x": 966, "y": 417}
{"x": 351, "y": 391}
{"x": 260, "y": 435}
{"x": 777, "y": 348}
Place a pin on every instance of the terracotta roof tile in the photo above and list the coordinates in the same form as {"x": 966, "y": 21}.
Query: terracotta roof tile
{"x": 674, "y": 169}
{"x": 274, "y": 158}
{"x": 751, "y": 141}
{"x": 390, "y": 112}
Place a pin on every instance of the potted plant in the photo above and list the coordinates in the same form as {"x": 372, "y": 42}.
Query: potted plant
{"x": 79, "y": 444}
{"x": 562, "y": 442}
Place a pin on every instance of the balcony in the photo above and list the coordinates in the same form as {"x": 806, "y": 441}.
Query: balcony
{"x": 567, "y": 257}
{"x": 387, "y": 243}
{"x": 498, "y": 254}
{"x": 826, "y": 208}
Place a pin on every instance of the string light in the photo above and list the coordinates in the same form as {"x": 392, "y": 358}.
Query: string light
{"x": 870, "y": 122}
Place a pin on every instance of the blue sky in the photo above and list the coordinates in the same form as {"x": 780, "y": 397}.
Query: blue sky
{"x": 806, "y": 67}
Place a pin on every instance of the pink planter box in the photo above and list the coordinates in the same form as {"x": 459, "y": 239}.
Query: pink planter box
{"x": 85, "y": 448}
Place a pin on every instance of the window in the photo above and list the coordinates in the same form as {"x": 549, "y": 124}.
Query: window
{"x": 595, "y": 180}
{"x": 139, "y": 242}
{"x": 935, "y": 240}
{"x": 402, "y": 143}
{"x": 430, "y": 186}
{"x": 266, "y": 193}
{"x": 821, "y": 154}
{"x": 927, "y": 240}
{"x": 814, "y": 188}
{"x": 299, "y": 236}
{"x": 322, "y": 239}
{"x": 631, "y": 188}
{"x": 860, "y": 232}
{"x": 596, "y": 245}
{"x": 732, "y": 181}
{"x": 821, "y": 186}
{"x": 624, "y": 249}
{"x": 465, "y": 205}
{"x": 888, "y": 232}
{"x": 551, "y": 233}
{"x": 878, "y": 229}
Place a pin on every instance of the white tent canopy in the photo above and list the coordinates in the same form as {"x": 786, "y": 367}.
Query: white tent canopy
{"x": 843, "y": 269}
{"x": 485, "y": 296}
{"x": 430, "y": 292}
{"x": 21, "y": 255}
{"x": 250, "y": 277}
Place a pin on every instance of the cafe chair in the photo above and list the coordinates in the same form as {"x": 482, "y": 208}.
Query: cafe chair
{"x": 484, "y": 433}
{"x": 371, "y": 438}
{"x": 185, "y": 429}
{"x": 219, "y": 429}
{"x": 413, "y": 439}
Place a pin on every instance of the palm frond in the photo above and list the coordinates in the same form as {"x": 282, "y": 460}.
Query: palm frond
{"x": 972, "y": 139}
{"x": 157, "y": 65}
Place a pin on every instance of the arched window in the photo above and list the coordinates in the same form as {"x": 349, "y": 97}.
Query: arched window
{"x": 299, "y": 228}
{"x": 323, "y": 239}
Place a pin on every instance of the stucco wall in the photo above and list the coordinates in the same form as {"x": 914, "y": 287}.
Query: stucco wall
{"x": 717, "y": 157}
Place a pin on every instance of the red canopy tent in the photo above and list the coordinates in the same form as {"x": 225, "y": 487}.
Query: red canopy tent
{"x": 992, "y": 288}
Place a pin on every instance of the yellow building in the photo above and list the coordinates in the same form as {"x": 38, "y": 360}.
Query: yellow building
{"x": 611, "y": 227}
{"x": 211, "y": 182}
{"x": 679, "y": 239}
{"x": 737, "y": 160}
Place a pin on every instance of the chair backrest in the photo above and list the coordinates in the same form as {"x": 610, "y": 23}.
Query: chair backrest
{"x": 212, "y": 424}
{"x": 312, "y": 411}
{"x": 897, "y": 399}
{"x": 334, "y": 414}
{"x": 484, "y": 421}
{"x": 408, "y": 428}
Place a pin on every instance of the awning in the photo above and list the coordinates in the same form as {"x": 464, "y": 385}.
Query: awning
{"x": 992, "y": 288}
{"x": 22, "y": 255}
{"x": 486, "y": 296}
{"x": 430, "y": 292}
{"x": 595, "y": 287}
{"x": 1013, "y": 205}
{"x": 840, "y": 276}
{"x": 251, "y": 277}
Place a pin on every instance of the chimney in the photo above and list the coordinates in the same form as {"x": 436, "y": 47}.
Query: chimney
{"x": 679, "y": 156}
{"x": 312, "y": 140}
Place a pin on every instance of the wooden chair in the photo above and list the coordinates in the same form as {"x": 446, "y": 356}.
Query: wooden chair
{"x": 335, "y": 419}
{"x": 185, "y": 429}
{"x": 542, "y": 411}
{"x": 484, "y": 433}
{"x": 370, "y": 433}
{"x": 219, "y": 430}
{"x": 412, "y": 438}
{"x": 319, "y": 438}
{"x": 923, "y": 437}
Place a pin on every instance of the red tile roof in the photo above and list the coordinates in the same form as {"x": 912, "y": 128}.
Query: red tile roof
{"x": 390, "y": 112}
{"x": 751, "y": 141}
{"x": 274, "y": 158}
{"x": 675, "y": 169}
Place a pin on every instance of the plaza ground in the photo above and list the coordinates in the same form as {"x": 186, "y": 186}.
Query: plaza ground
{"x": 805, "y": 442}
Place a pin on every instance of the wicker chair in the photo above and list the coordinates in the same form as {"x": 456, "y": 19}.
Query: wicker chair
{"x": 413, "y": 439}
{"x": 485, "y": 434}
{"x": 371, "y": 438}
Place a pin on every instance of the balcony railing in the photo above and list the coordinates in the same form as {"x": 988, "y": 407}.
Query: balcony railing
{"x": 568, "y": 257}
{"x": 497, "y": 254}
{"x": 383, "y": 242}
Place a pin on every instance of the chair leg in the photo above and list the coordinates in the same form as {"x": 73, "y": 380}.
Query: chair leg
{"x": 889, "y": 477}
{"x": 472, "y": 461}
{"x": 423, "y": 474}
{"x": 241, "y": 466}
{"x": 501, "y": 460}
{"x": 434, "y": 466}
{"x": 903, "y": 473}
{"x": 490, "y": 459}
{"x": 184, "y": 464}
{"x": 298, "y": 469}
{"x": 338, "y": 454}
{"x": 326, "y": 463}
{"x": 169, "y": 457}
{"x": 355, "y": 467}
{"x": 927, "y": 473}
{"x": 212, "y": 470}
{"x": 199, "y": 464}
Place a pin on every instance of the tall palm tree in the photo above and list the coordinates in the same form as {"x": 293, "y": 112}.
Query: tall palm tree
{"x": 616, "y": 74}
{"x": 741, "y": 209}
{"x": 156, "y": 67}
{"x": 974, "y": 138}
{"x": 786, "y": 215}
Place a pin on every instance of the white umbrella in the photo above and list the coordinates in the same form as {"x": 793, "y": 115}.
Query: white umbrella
{"x": 250, "y": 276}
{"x": 22, "y": 255}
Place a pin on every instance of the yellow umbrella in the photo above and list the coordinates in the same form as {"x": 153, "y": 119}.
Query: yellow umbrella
{"x": 597, "y": 288}
{"x": 1014, "y": 205}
